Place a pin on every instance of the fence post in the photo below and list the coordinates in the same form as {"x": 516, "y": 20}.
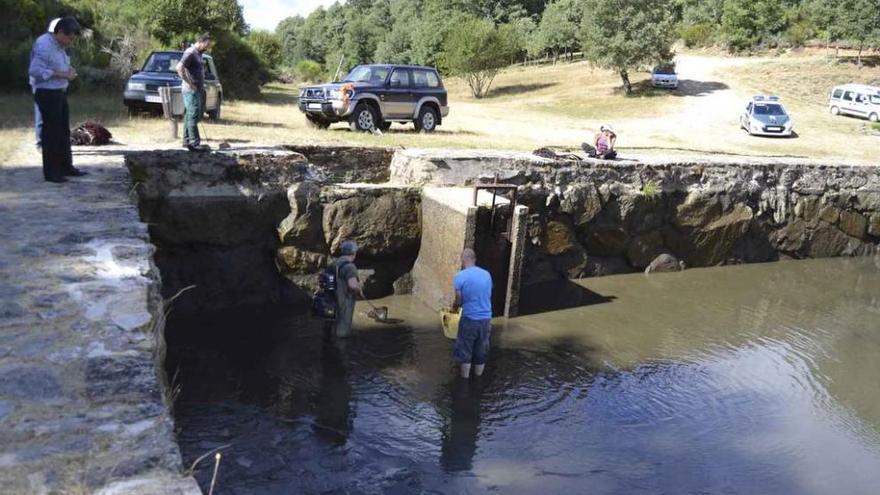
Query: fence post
{"x": 168, "y": 109}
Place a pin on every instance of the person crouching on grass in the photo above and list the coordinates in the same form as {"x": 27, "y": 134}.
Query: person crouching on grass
{"x": 603, "y": 144}
{"x": 473, "y": 293}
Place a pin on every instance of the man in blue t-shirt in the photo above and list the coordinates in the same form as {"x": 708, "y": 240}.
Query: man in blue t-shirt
{"x": 473, "y": 293}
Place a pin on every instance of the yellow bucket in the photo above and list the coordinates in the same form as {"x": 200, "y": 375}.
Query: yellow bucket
{"x": 449, "y": 320}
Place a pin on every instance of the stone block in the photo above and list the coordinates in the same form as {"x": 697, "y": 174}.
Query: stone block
{"x": 385, "y": 222}
{"x": 852, "y": 224}
{"x": 559, "y": 238}
{"x": 664, "y": 263}
{"x": 697, "y": 210}
{"x": 582, "y": 202}
{"x": 874, "y": 225}
{"x": 829, "y": 214}
{"x": 644, "y": 248}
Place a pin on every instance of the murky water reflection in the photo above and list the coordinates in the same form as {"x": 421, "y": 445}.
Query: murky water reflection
{"x": 748, "y": 379}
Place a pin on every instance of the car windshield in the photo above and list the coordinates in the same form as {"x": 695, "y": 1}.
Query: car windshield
{"x": 768, "y": 109}
{"x": 367, "y": 73}
{"x": 162, "y": 62}
{"x": 875, "y": 99}
{"x": 666, "y": 71}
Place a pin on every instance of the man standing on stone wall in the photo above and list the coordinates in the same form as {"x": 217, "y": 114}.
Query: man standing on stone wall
{"x": 191, "y": 70}
{"x": 50, "y": 72}
{"x": 473, "y": 293}
{"x": 347, "y": 287}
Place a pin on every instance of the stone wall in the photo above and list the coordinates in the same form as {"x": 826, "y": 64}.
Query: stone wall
{"x": 254, "y": 228}
{"x": 595, "y": 218}
{"x": 385, "y": 221}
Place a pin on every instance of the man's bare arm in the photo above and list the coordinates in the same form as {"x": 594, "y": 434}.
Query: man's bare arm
{"x": 457, "y": 303}
{"x": 355, "y": 287}
{"x": 184, "y": 74}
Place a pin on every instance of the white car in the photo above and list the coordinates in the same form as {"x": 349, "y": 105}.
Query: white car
{"x": 856, "y": 99}
{"x": 664, "y": 76}
{"x": 765, "y": 116}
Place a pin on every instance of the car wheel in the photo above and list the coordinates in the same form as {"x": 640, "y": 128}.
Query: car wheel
{"x": 363, "y": 119}
{"x": 873, "y": 117}
{"x": 317, "y": 123}
{"x": 215, "y": 113}
{"x": 835, "y": 111}
{"x": 427, "y": 120}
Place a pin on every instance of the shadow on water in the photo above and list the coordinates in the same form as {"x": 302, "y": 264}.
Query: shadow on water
{"x": 557, "y": 295}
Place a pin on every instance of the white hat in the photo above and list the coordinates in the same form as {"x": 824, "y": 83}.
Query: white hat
{"x": 53, "y": 23}
{"x": 607, "y": 127}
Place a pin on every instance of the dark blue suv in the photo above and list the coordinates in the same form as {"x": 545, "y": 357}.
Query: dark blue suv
{"x": 373, "y": 96}
{"x": 160, "y": 69}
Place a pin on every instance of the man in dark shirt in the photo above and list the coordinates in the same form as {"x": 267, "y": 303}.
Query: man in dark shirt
{"x": 191, "y": 70}
{"x": 347, "y": 287}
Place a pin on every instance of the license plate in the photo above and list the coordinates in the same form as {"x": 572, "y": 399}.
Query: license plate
{"x": 153, "y": 99}
{"x": 314, "y": 106}
{"x": 772, "y": 128}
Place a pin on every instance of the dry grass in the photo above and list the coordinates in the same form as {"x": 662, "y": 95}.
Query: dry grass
{"x": 528, "y": 107}
{"x": 575, "y": 90}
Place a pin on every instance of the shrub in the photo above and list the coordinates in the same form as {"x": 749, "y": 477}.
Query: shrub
{"x": 267, "y": 46}
{"x": 241, "y": 70}
{"x": 308, "y": 70}
{"x": 696, "y": 35}
{"x": 476, "y": 50}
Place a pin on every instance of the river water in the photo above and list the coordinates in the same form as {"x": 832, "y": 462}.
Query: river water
{"x": 753, "y": 379}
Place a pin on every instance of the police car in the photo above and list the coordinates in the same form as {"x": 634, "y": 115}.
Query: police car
{"x": 765, "y": 116}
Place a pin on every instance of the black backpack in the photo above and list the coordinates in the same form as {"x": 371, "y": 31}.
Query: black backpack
{"x": 324, "y": 299}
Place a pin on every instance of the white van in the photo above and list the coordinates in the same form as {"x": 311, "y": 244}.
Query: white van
{"x": 856, "y": 99}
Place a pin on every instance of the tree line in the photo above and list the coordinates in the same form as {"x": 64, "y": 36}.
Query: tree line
{"x": 473, "y": 38}
{"x": 119, "y": 34}
{"x": 468, "y": 38}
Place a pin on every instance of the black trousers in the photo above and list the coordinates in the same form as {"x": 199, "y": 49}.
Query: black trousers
{"x": 55, "y": 136}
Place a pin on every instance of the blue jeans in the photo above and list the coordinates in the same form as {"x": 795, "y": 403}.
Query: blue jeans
{"x": 472, "y": 342}
{"x": 194, "y": 107}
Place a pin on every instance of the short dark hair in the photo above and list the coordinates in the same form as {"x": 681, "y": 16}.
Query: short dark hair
{"x": 204, "y": 37}
{"x": 68, "y": 26}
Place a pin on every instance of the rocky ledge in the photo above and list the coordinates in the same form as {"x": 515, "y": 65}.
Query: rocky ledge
{"x": 594, "y": 217}
{"x": 253, "y": 227}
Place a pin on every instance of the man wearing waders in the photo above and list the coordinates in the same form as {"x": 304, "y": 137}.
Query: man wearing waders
{"x": 473, "y": 293}
{"x": 347, "y": 287}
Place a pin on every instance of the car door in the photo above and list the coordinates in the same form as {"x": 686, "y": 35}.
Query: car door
{"x": 744, "y": 119}
{"x": 398, "y": 96}
{"x": 847, "y": 103}
{"x": 211, "y": 84}
{"x": 861, "y": 104}
{"x": 427, "y": 85}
